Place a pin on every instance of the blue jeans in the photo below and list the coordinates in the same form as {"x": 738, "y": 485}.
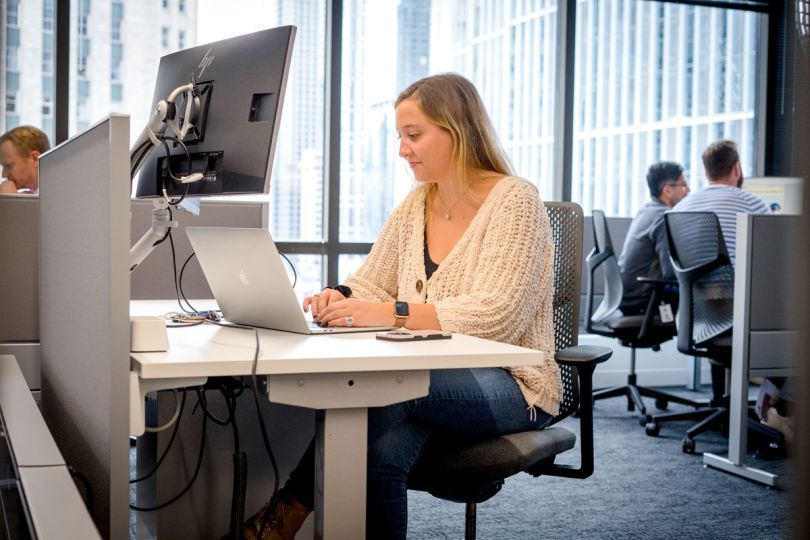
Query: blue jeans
{"x": 461, "y": 403}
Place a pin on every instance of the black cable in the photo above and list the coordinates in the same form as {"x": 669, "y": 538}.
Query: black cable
{"x": 203, "y": 403}
{"x": 168, "y": 446}
{"x": 263, "y": 429}
{"x": 292, "y": 267}
{"x": 174, "y": 279}
{"x": 190, "y": 164}
{"x": 88, "y": 489}
{"x": 180, "y": 281}
{"x": 190, "y": 483}
{"x": 255, "y": 385}
{"x": 169, "y": 230}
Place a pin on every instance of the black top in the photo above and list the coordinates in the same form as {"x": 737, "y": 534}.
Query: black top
{"x": 430, "y": 266}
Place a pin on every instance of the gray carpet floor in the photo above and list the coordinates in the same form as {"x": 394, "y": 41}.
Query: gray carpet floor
{"x": 642, "y": 487}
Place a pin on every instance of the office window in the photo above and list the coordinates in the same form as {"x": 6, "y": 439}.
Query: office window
{"x": 181, "y": 40}
{"x": 507, "y": 49}
{"x": 27, "y": 45}
{"x": 658, "y": 81}
{"x": 116, "y": 18}
{"x": 12, "y": 12}
{"x": 47, "y": 53}
{"x": 83, "y": 53}
{"x": 82, "y": 16}
{"x": 48, "y": 14}
{"x": 165, "y": 4}
{"x": 116, "y": 93}
{"x": 181, "y": 5}
{"x": 164, "y": 37}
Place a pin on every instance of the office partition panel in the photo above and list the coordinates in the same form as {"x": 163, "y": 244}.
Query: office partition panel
{"x": 84, "y": 310}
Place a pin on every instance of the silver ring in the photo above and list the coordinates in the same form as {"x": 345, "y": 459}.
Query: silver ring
{"x": 349, "y": 320}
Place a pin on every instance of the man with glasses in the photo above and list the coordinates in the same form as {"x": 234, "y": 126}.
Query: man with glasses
{"x": 645, "y": 252}
{"x": 723, "y": 195}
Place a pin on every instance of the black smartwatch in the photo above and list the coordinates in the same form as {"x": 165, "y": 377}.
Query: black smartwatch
{"x": 401, "y": 313}
{"x": 343, "y": 289}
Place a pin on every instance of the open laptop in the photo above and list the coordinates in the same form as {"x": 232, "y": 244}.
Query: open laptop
{"x": 249, "y": 282}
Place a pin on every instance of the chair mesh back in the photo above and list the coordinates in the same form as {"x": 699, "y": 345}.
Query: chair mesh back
{"x": 613, "y": 290}
{"x": 566, "y": 229}
{"x": 702, "y": 264}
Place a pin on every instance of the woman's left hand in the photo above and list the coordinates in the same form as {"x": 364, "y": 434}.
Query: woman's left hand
{"x": 354, "y": 312}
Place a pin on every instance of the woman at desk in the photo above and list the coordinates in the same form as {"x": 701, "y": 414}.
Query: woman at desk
{"x": 470, "y": 251}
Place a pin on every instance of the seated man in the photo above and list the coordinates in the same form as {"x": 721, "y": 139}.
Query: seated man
{"x": 645, "y": 251}
{"x": 20, "y": 149}
{"x": 723, "y": 195}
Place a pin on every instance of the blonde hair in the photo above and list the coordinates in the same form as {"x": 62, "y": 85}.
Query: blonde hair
{"x": 27, "y": 139}
{"x": 451, "y": 102}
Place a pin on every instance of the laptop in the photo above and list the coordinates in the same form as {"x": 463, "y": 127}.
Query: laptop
{"x": 250, "y": 283}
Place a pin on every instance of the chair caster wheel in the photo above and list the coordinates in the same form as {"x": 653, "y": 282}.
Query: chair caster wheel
{"x": 644, "y": 419}
{"x": 652, "y": 429}
{"x": 661, "y": 403}
{"x": 689, "y": 445}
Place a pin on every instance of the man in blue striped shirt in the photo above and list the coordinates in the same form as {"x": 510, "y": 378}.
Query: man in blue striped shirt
{"x": 723, "y": 195}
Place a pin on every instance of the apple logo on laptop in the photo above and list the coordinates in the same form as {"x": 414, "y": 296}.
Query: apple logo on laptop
{"x": 243, "y": 278}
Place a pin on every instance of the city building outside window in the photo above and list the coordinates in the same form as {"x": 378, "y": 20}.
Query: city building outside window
{"x": 658, "y": 81}
{"x": 653, "y": 80}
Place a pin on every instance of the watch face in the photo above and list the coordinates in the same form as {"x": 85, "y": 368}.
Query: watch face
{"x": 401, "y": 309}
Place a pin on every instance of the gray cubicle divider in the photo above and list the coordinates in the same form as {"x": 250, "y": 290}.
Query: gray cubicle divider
{"x": 19, "y": 275}
{"x": 765, "y": 341}
{"x": 153, "y": 278}
{"x": 19, "y": 271}
{"x": 84, "y": 310}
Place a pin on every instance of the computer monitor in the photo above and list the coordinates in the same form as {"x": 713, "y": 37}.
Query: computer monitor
{"x": 239, "y": 83}
{"x": 782, "y": 194}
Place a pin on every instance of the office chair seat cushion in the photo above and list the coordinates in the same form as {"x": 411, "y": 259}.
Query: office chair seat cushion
{"x": 626, "y": 329}
{"x": 717, "y": 349}
{"x": 488, "y": 461}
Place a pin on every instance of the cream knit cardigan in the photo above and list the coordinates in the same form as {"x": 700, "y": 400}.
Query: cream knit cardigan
{"x": 496, "y": 283}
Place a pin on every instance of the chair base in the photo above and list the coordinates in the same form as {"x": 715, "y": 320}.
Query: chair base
{"x": 710, "y": 418}
{"x": 635, "y": 392}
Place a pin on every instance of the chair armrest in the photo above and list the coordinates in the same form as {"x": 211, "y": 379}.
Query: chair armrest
{"x": 582, "y": 355}
{"x": 657, "y": 281}
{"x": 657, "y": 293}
{"x": 584, "y": 358}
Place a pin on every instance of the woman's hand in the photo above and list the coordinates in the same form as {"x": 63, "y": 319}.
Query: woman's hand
{"x": 354, "y": 312}
{"x": 318, "y": 302}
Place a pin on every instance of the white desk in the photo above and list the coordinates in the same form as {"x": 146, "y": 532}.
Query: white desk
{"x": 340, "y": 374}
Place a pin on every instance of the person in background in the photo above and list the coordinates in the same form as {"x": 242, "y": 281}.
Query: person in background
{"x": 645, "y": 251}
{"x": 723, "y": 195}
{"x": 20, "y": 149}
{"x": 469, "y": 250}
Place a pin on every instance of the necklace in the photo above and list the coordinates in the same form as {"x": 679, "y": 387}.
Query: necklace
{"x": 448, "y": 215}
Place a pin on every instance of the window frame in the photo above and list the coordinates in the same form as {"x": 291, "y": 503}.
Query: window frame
{"x": 331, "y": 248}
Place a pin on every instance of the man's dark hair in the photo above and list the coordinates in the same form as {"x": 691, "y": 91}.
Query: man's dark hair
{"x": 719, "y": 158}
{"x": 660, "y": 174}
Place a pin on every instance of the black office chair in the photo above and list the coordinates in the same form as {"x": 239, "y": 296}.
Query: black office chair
{"x": 473, "y": 473}
{"x": 634, "y": 331}
{"x": 705, "y": 316}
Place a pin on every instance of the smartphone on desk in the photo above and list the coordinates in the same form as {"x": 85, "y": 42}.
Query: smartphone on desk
{"x": 413, "y": 335}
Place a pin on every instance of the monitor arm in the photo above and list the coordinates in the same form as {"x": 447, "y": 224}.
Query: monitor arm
{"x": 163, "y": 117}
{"x": 161, "y": 225}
